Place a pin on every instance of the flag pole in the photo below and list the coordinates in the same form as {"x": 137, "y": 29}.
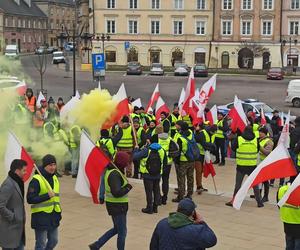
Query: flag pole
{"x": 213, "y": 178}
{"x": 133, "y": 130}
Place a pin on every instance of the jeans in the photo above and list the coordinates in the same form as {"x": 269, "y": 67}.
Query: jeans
{"x": 292, "y": 243}
{"x": 165, "y": 181}
{"x": 152, "y": 191}
{"x": 220, "y": 144}
{"x": 46, "y": 239}
{"x": 75, "y": 160}
{"x": 119, "y": 228}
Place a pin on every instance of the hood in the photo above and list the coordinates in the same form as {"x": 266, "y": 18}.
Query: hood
{"x": 163, "y": 136}
{"x": 248, "y": 136}
{"x": 177, "y": 220}
{"x": 155, "y": 146}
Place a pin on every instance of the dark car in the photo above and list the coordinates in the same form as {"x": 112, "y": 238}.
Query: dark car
{"x": 51, "y": 49}
{"x": 134, "y": 68}
{"x": 275, "y": 73}
{"x": 200, "y": 70}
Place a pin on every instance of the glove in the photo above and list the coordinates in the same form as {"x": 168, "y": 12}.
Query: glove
{"x": 128, "y": 186}
{"x": 101, "y": 201}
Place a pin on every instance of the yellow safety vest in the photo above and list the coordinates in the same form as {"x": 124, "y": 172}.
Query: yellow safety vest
{"x": 21, "y": 117}
{"x": 54, "y": 129}
{"x": 207, "y": 139}
{"x": 187, "y": 119}
{"x": 246, "y": 153}
{"x": 219, "y": 133}
{"x": 139, "y": 135}
{"x": 288, "y": 213}
{"x": 185, "y": 147}
{"x": 165, "y": 144}
{"x": 262, "y": 144}
{"x": 143, "y": 168}
{"x": 50, "y": 205}
{"x": 127, "y": 138}
{"x": 108, "y": 195}
{"x": 108, "y": 143}
{"x": 73, "y": 143}
{"x": 255, "y": 128}
{"x": 173, "y": 123}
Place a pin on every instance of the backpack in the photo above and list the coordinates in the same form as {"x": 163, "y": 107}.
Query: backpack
{"x": 193, "y": 152}
{"x": 174, "y": 151}
{"x": 153, "y": 163}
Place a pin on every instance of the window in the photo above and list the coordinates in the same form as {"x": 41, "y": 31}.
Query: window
{"x": 29, "y": 39}
{"x": 200, "y": 27}
{"x": 110, "y": 56}
{"x": 200, "y": 4}
{"x": 111, "y": 26}
{"x": 155, "y": 27}
{"x": 29, "y": 24}
{"x": 111, "y": 4}
{"x": 6, "y": 22}
{"x": 227, "y": 4}
{"x": 24, "y": 38}
{"x": 34, "y": 25}
{"x": 246, "y": 28}
{"x": 294, "y": 28}
{"x": 132, "y": 27}
{"x": 178, "y": 4}
{"x": 24, "y": 23}
{"x": 132, "y": 4}
{"x": 268, "y": 4}
{"x": 177, "y": 27}
{"x": 295, "y": 5}
{"x": 155, "y": 4}
{"x": 227, "y": 28}
{"x": 14, "y": 22}
{"x": 19, "y": 23}
{"x": 246, "y": 4}
{"x": 267, "y": 28}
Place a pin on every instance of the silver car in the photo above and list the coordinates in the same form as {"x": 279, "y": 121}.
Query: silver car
{"x": 157, "y": 69}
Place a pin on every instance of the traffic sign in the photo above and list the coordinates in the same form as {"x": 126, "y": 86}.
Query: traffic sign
{"x": 98, "y": 61}
{"x": 127, "y": 45}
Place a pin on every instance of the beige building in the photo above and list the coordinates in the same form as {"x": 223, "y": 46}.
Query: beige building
{"x": 149, "y": 31}
{"x": 1, "y": 31}
{"x": 246, "y": 34}
{"x": 60, "y": 13}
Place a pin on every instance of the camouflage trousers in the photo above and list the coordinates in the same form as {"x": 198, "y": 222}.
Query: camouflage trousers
{"x": 185, "y": 171}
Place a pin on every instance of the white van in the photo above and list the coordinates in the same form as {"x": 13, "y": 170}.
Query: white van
{"x": 12, "y": 51}
{"x": 293, "y": 93}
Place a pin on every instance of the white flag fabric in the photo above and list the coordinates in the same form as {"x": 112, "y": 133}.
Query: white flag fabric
{"x": 69, "y": 106}
{"x": 285, "y": 133}
{"x": 40, "y": 98}
{"x": 137, "y": 103}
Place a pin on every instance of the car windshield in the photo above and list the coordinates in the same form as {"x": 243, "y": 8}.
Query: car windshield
{"x": 265, "y": 107}
{"x": 156, "y": 65}
{"x": 200, "y": 67}
{"x": 10, "y": 51}
{"x": 275, "y": 70}
{"x": 58, "y": 54}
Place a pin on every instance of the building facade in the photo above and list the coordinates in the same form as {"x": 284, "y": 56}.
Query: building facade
{"x": 1, "y": 31}
{"x": 155, "y": 31}
{"x": 24, "y": 24}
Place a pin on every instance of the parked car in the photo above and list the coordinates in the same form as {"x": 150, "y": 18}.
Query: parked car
{"x": 181, "y": 69}
{"x": 12, "y": 51}
{"x": 293, "y": 93}
{"x": 200, "y": 70}
{"x": 51, "y": 49}
{"x": 58, "y": 57}
{"x": 69, "y": 46}
{"x": 12, "y": 83}
{"x": 41, "y": 50}
{"x": 157, "y": 69}
{"x": 275, "y": 73}
{"x": 134, "y": 68}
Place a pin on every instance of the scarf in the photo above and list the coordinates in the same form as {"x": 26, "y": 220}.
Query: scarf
{"x": 18, "y": 180}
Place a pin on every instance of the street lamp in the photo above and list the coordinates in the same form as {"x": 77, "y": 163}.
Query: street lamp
{"x": 87, "y": 38}
{"x": 104, "y": 37}
{"x": 284, "y": 42}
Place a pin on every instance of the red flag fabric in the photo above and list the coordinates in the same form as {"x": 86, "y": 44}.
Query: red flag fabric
{"x": 208, "y": 168}
{"x": 14, "y": 151}
{"x": 292, "y": 196}
{"x": 263, "y": 120}
{"x": 189, "y": 93}
{"x": 154, "y": 97}
{"x": 212, "y": 115}
{"x": 278, "y": 164}
{"x": 237, "y": 114}
{"x": 160, "y": 107}
{"x": 92, "y": 162}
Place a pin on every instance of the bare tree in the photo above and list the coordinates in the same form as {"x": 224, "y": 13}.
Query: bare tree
{"x": 256, "y": 48}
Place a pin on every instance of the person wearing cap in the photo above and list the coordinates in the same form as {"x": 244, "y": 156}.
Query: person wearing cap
{"x": 174, "y": 117}
{"x": 12, "y": 210}
{"x": 184, "y": 229}
{"x": 60, "y": 103}
{"x": 44, "y": 197}
{"x": 106, "y": 143}
{"x": 116, "y": 200}
{"x": 222, "y": 128}
{"x": 30, "y": 100}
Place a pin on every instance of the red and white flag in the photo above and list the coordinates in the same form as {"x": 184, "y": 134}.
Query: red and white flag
{"x": 15, "y": 150}
{"x": 281, "y": 119}
{"x": 285, "y": 133}
{"x": 161, "y": 106}
{"x": 263, "y": 120}
{"x": 137, "y": 103}
{"x": 40, "y": 98}
{"x": 208, "y": 167}
{"x": 154, "y": 97}
{"x": 189, "y": 94}
{"x": 181, "y": 99}
{"x": 238, "y": 116}
{"x": 212, "y": 115}
{"x": 92, "y": 162}
{"x": 292, "y": 195}
{"x": 278, "y": 164}
{"x": 65, "y": 110}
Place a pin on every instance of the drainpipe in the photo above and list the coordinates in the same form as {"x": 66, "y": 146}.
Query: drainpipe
{"x": 213, "y": 33}
{"x": 280, "y": 39}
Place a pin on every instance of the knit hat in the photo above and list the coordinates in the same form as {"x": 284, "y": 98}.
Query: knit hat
{"x": 104, "y": 132}
{"x": 51, "y": 100}
{"x": 187, "y": 206}
{"x": 125, "y": 119}
{"x": 136, "y": 108}
{"x": 121, "y": 160}
{"x": 159, "y": 129}
{"x": 60, "y": 99}
{"x": 48, "y": 159}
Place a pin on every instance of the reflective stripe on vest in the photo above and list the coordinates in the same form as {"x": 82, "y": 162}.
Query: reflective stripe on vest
{"x": 108, "y": 195}
{"x": 73, "y": 143}
{"x": 173, "y": 123}
{"x": 143, "y": 168}
{"x": 246, "y": 153}
{"x": 139, "y": 135}
{"x": 50, "y": 205}
{"x": 207, "y": 140}
{"x": 127, "y": 139}
{"x": 262, "y": 144}
{"x": 165, "y": 144}
{"x": 219, "y": 133}
{"x": 255, "y": 128}
{"x": 184, "y": 147}
{"x": 288, "y": 213}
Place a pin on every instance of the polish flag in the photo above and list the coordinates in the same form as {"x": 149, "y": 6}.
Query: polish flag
{"x": 181, "y": 99}
{"x": 77, "y": 94}
{"x": 189, "y": 93}
{"x": 285, "y": 133}
{"x": 208, "y": 168}
{"x": 40, "y": 98}
{"x": 212, "y": 115}
{"x": 137, "y": 103}
{"x": 154, "y": 97}
{"x": 278, "y": 164}
{"x": 69, "y": 106}
{"x": 292, "y": 195}
{"x": 263, "y": 120}
{"x": 281, "y": 119}
{"x": 161, "y": 106}
{"x": 92, "y": 162}
{"x": 238, "y": 116}
{"x": 15, "y": 150}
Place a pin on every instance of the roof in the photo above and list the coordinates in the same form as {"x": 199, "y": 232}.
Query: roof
{"x": 11, "y": 7}
{"x": 68, "y": 2}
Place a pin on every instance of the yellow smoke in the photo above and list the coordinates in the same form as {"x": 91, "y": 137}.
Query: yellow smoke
{"x": 93, "y": 110}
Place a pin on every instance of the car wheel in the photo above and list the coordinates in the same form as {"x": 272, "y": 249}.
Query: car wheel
{"x": 296, "y": 102}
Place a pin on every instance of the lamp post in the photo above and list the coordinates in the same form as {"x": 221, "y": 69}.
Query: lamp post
{"x": 104, "y": 37}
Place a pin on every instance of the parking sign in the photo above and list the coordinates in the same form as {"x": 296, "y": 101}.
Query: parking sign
{"x": 98, "y": 61}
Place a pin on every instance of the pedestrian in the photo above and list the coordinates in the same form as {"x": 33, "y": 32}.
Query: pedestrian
{"x": 151, "y": 129}
{"x": 222, "y": 128}
{"x": 165, "y": 121}
{"x": 12, "y": 211}
{"x": 290, "y": 216}
{"x": 153, "y": 158}
{"x": 116, "y": 200}
{"x": 106, "y": 143}
{"x": 60, "y": 103}
{"x": 174, "y": 117}
{"x": 44, "y": 196}
{"x": 294, "y": 139}
{"x": 184, "y": 229}
{"x": 30, "y": 100}
{"x": 74, "y": 139}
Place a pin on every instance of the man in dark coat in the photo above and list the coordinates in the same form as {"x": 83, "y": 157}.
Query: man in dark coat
{"x": 12, "y": 211}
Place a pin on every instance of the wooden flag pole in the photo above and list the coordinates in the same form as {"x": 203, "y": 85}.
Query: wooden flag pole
{"x": 45, "y": 181}
{"x": 213, "y": 178}
{"x": 134, "y": 131}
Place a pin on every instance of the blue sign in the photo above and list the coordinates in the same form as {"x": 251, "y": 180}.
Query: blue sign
{"x": 127, "y": 45}
{"x": 98, "y": 61}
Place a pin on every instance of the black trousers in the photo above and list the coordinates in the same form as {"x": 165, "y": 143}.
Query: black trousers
{"x": 165, "y": 181}
{"x": 136, "y": 164}
{"x": 220, "y": 144}
{"x": 152, "y": 191}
